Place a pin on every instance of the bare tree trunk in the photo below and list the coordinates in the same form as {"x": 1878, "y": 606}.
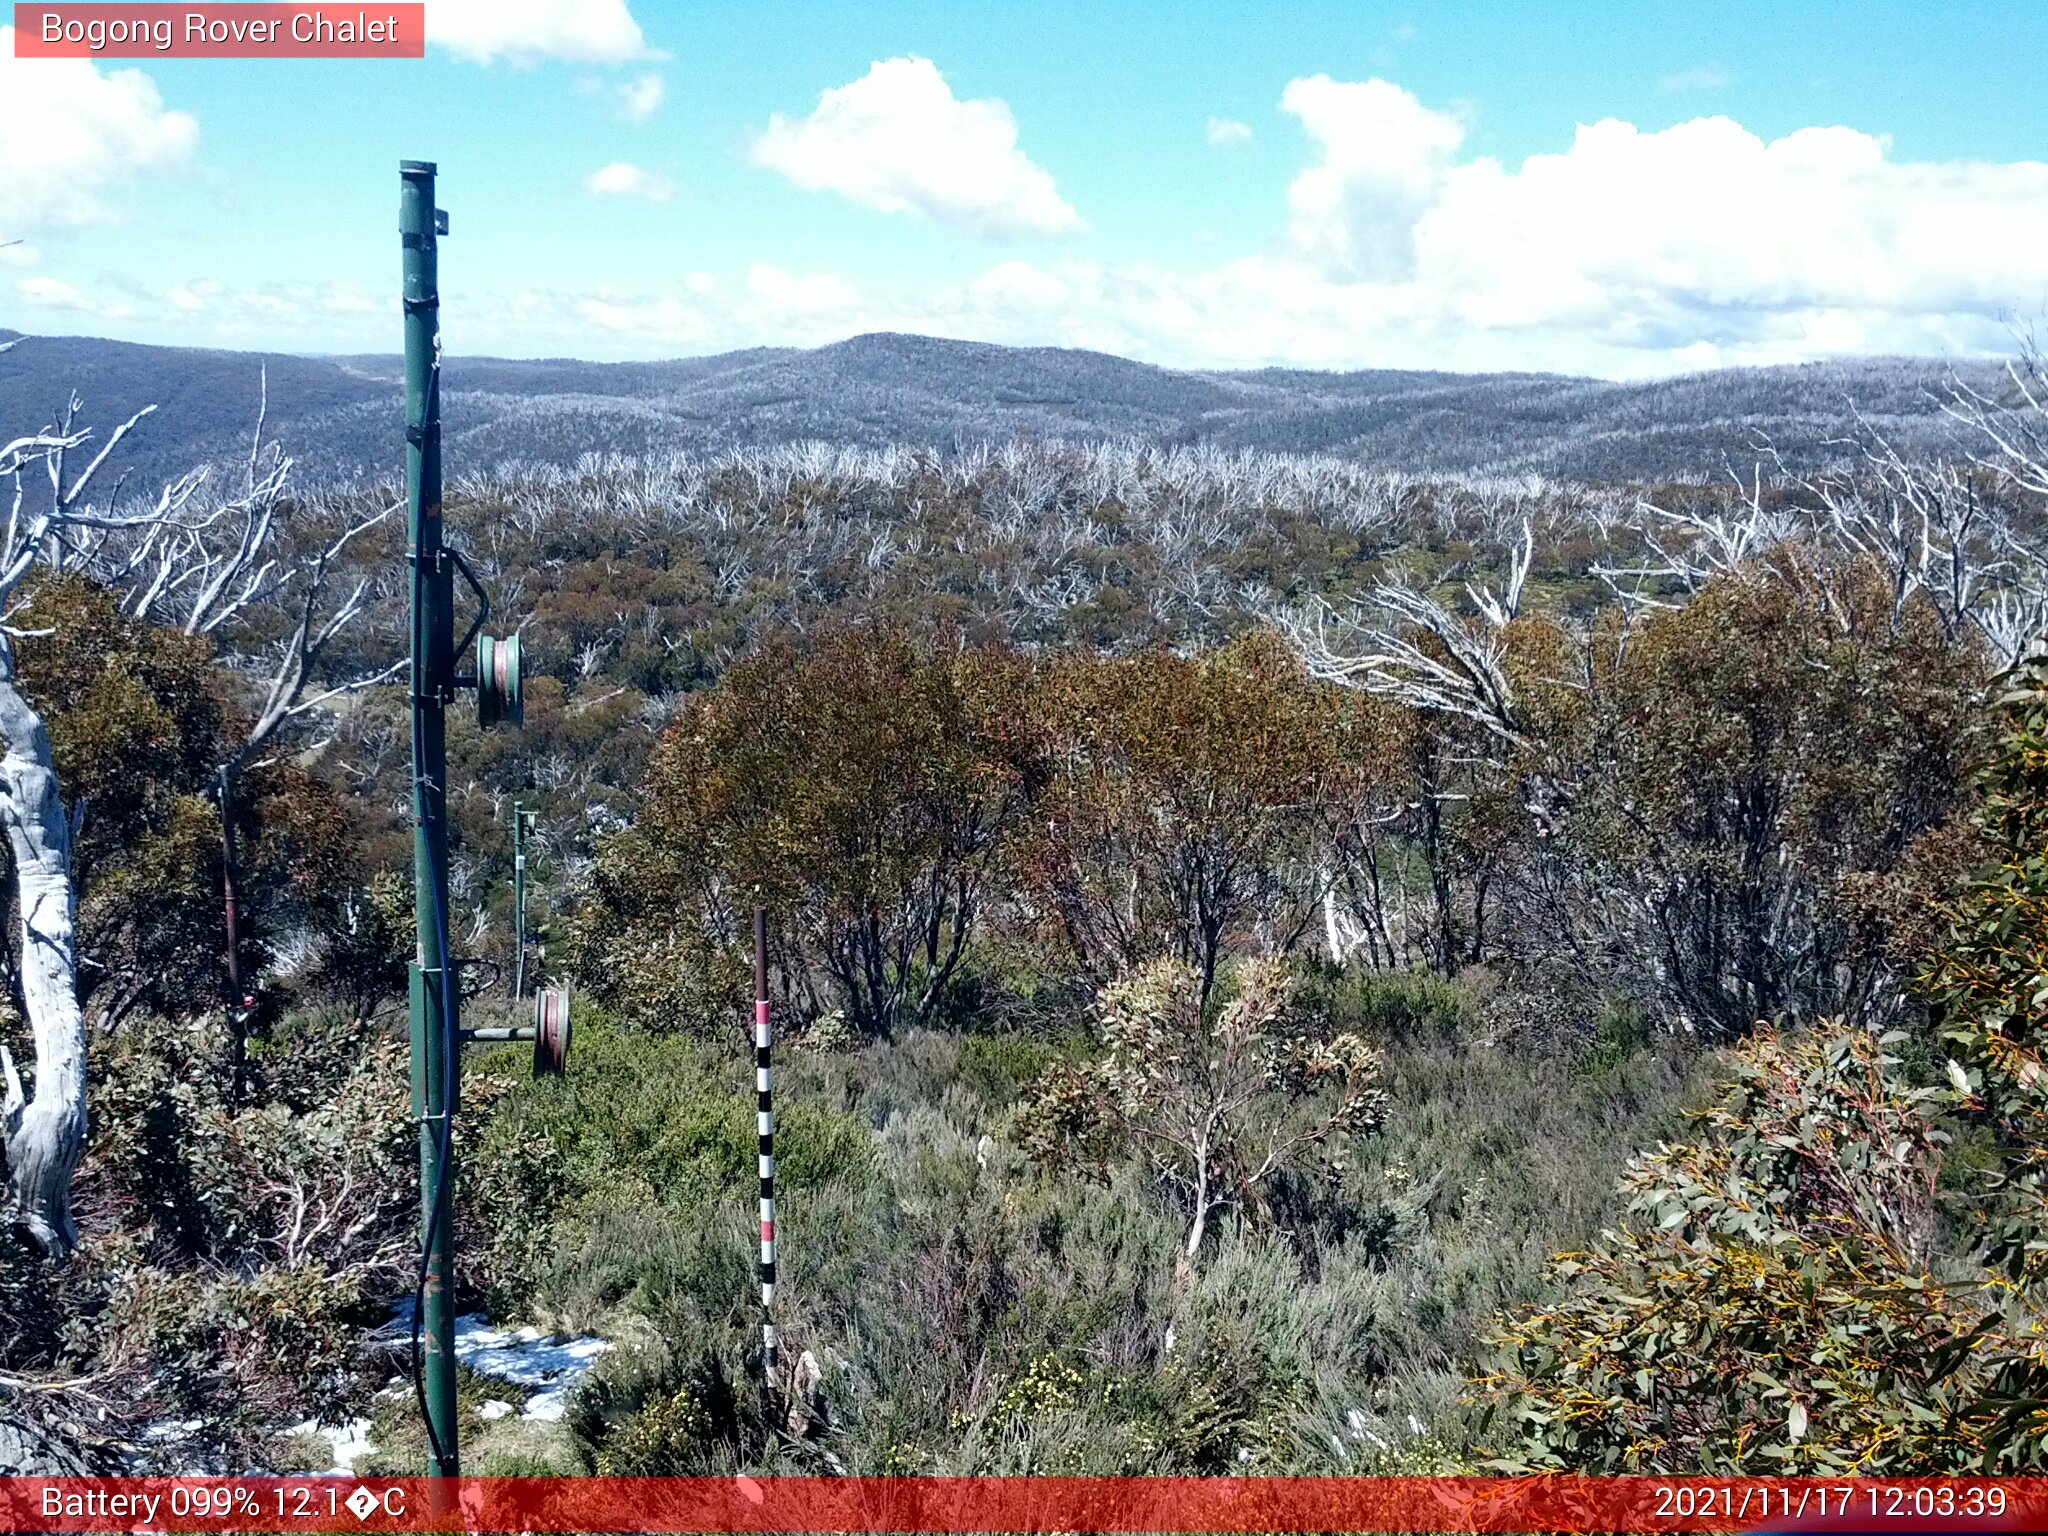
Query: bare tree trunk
{"x": 45, "y": 1134}
{"x": 1184, "y": 1264}
{"x": 230, "y": 881}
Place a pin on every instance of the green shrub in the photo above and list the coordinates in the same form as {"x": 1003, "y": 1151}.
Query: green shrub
{"x": 644, "y": 1128}
{"x": 933, "y": 1281}
{"x": 668, "y": 980}
{"x": 1767, "y": 1305}
{"x": 1383, "y": 1005}
{"x": 662, "y": 1438}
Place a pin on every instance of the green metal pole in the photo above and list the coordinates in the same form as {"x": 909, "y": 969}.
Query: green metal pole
{"x": 434, "y": 1021}
{"x": 519, "y": 899}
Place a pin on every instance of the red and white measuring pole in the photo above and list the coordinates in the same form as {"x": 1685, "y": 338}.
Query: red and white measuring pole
{"x": 764, "y": 1087}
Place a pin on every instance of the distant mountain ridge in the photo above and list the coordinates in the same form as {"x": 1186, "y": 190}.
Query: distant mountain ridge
{"x": 339, "y": 416}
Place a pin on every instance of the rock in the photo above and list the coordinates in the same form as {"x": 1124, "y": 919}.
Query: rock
{"x": 27, "y": 1451}
{"x": 805, "y": 1412}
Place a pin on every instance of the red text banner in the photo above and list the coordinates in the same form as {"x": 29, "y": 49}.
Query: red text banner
{"x": 220, "y": 31}
{"x": 1006, "y": 1504}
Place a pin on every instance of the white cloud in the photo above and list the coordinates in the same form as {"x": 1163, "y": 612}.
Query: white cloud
{"x": 703, "y": 315}
{"x": 531, "y": 31}
{"x": 897, "y": 139}
{"x": 1228, "y": 130}
{"x": 641, "y": 98}
{"x": 1708, "y": 77}
{"x": 1624, "y": 252}
{"x": 667, "y": 322}
{"x": 622, "y": 179}
{"x": 1627, "y": 252}
{"x": 793, "y": 293}
{"x": 259, "y": 316}
{"x": 49, "y": 293}
{"x": 1020, "y": 287}
{"x": 1385, "y": 158}
{"x": 70, "y": 133}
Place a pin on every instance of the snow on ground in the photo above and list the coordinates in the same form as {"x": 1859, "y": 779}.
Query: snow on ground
{"x": 522, "y": 1357}
{"x": 350, "y": 1440}
{"x": 525, "y": 1357}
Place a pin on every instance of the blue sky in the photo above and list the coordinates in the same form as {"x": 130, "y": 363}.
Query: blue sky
{"x": 1616, "y": 189}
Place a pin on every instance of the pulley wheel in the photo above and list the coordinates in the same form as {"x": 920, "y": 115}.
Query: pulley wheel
{"x": 500, "y": 696}
{"x": 551, "y": 1031}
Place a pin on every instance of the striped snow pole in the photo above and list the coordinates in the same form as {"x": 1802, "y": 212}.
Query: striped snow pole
{"x": 764, "y": 1039}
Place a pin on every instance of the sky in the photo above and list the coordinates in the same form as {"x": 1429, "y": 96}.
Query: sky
{"x": 1619, "y": 189}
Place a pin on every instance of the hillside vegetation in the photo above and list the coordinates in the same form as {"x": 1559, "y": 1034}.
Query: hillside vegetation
{"x": 1283, "y": 964}
{"x": 338, "y": 413}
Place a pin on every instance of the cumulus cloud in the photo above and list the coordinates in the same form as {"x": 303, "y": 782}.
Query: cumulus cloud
{"x": 256, "y": 315}
{"x": 669, "y": 322}
{"x": 1384, "y": 158}
{"x": 640, "y": 98}
{"x": 897, "y": 139}
{"x": 533, "y": 31}
{"x": 1628, "y": 251}
{"x": 790, "y": 308}
{"x": 1620, "y": 252}
{"x": 71, "y": 133}
{"x": 1228, "y": 130}
{"x": 49, "y": 293}
{"x": 796, "y": 293}
{"x": 623, "y": 179}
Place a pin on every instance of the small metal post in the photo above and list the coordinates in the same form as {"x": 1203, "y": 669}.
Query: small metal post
{"x": 519, "y": 899}
{"x": 764, "y": 1039}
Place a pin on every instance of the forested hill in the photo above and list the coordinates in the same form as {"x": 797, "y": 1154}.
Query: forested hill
{"x": 338, "y": 415}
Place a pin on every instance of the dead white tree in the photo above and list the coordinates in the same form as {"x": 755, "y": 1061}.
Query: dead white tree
{"x": 46, "y": 1132}
{"x": 258, "y": 551}
{"x": 1944, "y": 531}
{"x": 1687, "y": 549}
{"x": 210, "y": 562}
{"x": 2012, "y": 439}
{"x": 2013, "y": 431}
{"x": 1405, "y": 645}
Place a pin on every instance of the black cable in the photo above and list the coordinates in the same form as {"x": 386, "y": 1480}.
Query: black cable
{"x": 440, "y": 1215}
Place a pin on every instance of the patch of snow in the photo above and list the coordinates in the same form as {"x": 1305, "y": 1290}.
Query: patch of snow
{"x": 349, "y": 1441}
{"x": 525, "y": 1357}
{"x": 496, "y": 1408}
{"x": 173, "y": 1429}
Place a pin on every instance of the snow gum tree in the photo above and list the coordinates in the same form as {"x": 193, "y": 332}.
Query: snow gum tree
{"x": 1216, "y": 1095}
